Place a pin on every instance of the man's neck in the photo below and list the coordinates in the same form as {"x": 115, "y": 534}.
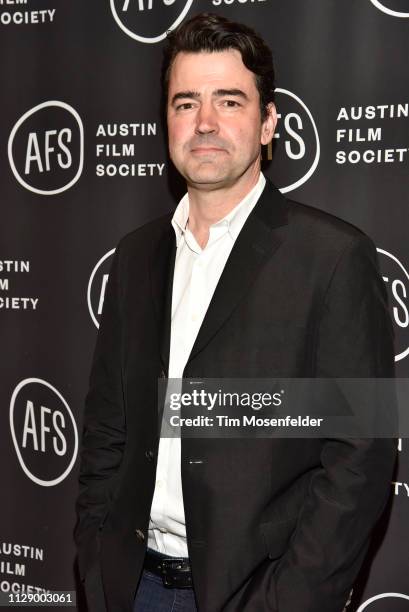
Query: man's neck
{"x": 209, "y": 207}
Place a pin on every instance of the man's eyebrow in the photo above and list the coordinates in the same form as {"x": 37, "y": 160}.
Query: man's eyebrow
{"x": 185, "y": 94}
{"x": 230, "y": 92}
{"x": 218, "y": 93}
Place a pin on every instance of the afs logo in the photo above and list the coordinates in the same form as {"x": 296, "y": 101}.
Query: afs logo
{"x": 46, "y": 148}
{"x": 97, "y": 286}
{"x": 295, "y": 149}
{"x": 44, "y": 432}
{"x": 148, "y": 20}
{"x": 367, "y": 605}
{"x": 395, "y": 8}
{"x": 396, "y": 278}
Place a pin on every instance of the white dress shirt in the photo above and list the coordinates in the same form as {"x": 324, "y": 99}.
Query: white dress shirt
{"x": 197, "y": 272}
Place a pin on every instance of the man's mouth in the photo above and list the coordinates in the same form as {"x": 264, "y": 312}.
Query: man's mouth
{"x": 204, "y": 150}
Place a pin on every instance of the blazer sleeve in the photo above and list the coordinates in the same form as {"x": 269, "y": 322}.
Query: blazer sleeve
{"x": 104, "y": 432}
{"x": 348, "y": 493}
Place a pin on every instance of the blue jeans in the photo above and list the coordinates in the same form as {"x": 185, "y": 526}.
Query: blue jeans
{"x": 153, "y": 596}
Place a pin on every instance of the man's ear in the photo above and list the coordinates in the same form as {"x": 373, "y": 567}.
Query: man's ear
{"x": 269, "y": 124}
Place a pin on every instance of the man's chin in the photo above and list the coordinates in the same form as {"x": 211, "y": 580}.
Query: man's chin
{"x": 207, "y": 183}
{"x": 206, "y": 178}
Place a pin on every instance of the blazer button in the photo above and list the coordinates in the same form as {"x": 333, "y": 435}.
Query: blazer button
{"x": 139, "y": 534}
{"x": 150, "y": 455}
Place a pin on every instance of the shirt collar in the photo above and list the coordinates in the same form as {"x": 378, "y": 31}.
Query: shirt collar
{"x": 234, "y": 220}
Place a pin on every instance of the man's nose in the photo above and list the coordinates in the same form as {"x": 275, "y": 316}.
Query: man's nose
{"x": 206, "y": 119}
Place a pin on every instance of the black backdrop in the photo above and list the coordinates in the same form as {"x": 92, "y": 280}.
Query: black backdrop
{"x": 83, "y": 161}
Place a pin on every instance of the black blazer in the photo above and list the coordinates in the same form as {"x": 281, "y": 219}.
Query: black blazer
{"x": 273, "y": 525}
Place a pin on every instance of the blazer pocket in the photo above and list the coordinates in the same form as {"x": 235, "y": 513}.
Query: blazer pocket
{"x": 277, "y": 535}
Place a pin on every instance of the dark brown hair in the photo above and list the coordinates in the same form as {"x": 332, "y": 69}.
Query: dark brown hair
{"x": 211, "y": 33}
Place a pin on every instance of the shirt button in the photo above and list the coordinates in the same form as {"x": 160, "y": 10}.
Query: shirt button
{"x": 139, "y": 534}
{"x": 159, "y": 484}
{"x": 194, "y": 317}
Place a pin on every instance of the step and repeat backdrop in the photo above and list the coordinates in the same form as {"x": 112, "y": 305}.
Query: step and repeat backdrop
{"x": 83, "y": 161}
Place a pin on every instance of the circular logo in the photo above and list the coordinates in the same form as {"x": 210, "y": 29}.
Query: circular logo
{"x": 369, "y": 601}
{"x": 96, "y": 286}
{"x": 148, "y": 20}
{"x": 46, "y": 148}
{"x": 392, "y": 7}
{"x": 295, "y": 149}
{"x": 44, "y": 432}
{"x": 397, "y": 282}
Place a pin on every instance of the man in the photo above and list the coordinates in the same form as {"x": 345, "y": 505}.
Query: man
{"x": 238, "y": 282}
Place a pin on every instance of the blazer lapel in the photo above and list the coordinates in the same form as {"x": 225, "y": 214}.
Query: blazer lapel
{"x": 162, "y": 268}
{"x": 254, "y": 245}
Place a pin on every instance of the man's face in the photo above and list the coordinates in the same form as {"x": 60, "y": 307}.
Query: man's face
{"x": 214, "y": 119}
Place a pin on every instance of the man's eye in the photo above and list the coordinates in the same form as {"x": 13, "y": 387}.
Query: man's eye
{"x": 231, "y": 103}
{"x": 184, "y": 106}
